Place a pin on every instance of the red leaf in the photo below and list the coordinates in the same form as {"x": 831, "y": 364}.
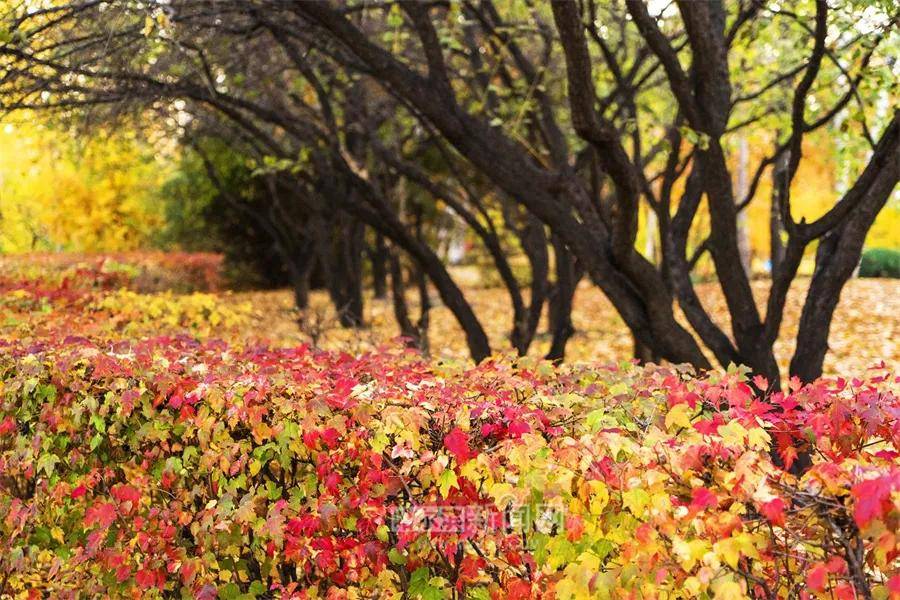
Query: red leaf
{"x": 773, "y": 510}
{"x": 331, "y": 437}
{"x": 844, "y": 591}
{"x": 836, "y": 565}
{"x": 102, "y": 514}
{"x": 126, "y": 493}
{"x": 703, "y": 498}
{"x": 148, "y": 578}
{"x": 7, "y": 425}
{"x": 457, "y": 443}
{"x": 518, "y": 588}
{"x": 817, "y": 577}
{"x": 893, "y": 587}
{"x": 761, "y": 382}
{"x": 518, "y": 428}
{"x": 871, "y": 496}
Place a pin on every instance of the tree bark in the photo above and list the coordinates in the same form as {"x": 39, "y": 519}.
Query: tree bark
{"x": 561, "y": 297}
{"x": 839, "y": 252}
{"x": 378, "y": 259}
{"x": 776, "y": 227}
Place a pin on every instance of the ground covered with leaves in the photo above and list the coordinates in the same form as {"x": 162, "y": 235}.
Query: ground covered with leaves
{"x": 865, "y": 330}
{"x": 150, "y": 448}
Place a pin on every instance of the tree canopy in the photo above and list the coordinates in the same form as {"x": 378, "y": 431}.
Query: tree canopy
{"x": 559, "y": 130}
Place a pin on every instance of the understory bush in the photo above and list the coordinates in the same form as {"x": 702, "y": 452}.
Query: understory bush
{"x": 201, "y": 470}
{"x": 147, "y": 464}
{"x": 880, "y": 262}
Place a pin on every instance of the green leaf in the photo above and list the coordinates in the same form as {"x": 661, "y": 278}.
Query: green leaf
{"x": 447, "y": 481}
{"x": 425, "y": 587}
{"x": 636, "y": 501}
{"x": 47, "y": 463}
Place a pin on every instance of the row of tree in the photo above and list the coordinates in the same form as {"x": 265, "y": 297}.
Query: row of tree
{"x": 543, "y": 129}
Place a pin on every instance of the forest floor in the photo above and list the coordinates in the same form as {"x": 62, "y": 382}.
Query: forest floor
{"x": 865, "y": 330}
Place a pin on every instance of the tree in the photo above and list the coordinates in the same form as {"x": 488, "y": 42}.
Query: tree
{"x": 573, "y": 115}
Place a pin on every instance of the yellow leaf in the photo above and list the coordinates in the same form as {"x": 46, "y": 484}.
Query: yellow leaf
{"x": 732, "y": 433}
{"x": 447, "y": 481}
{"x": 728, "y": 590}
{"x": 679, "y": 416}
{"x": 57, "y": 534}
{"x": 731, "y": 549}
{"x": 759, "y": 438}
{"x": 618, "y": 389}
{"x": 689, "y": 553}
{"x": 636, "y": 501}
{"x": 599, "y": 497}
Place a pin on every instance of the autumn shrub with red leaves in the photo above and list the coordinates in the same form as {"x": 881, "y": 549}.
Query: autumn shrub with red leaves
{"x": 141, "y": 271}
{"x": 185, "y": 466}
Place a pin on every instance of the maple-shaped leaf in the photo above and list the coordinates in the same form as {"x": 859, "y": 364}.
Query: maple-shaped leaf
{"x": 102, "y": 514}
{"x": 872, "y": 495}
{"x": 773, "y": 510}
{"x": 817, "y": 577}
{"x": 702, "y": 498}
{"x": 457, "y": 443}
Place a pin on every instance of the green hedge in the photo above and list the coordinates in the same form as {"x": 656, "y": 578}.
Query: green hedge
{"x": 880, "y": 262}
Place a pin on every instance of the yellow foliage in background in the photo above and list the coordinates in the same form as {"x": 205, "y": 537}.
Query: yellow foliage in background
{"x": 63, "y": 191}
{"x": 198, "y": 312}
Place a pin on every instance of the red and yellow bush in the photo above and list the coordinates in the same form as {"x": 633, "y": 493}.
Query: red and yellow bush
{"x": 41, "y": 295}
{"x": 139, "y": 271}
{"x": 193, "y": 468}
{"x": 182, "y": 466}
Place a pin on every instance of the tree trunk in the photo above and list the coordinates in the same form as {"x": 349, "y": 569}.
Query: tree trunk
{"x": 424, "y": 321}
{"x": 398, "y": 296}
{"x": 378, "y": 258}
{"x": 561, "y": 298}
{"x": 300, "y": 269}
{"x": 776, "y": 227}
{"x": 351, "y": 252}
{"x": 533, "y": 240}
{"x": 743, "y": 187}
{"x": 839, "y": 252}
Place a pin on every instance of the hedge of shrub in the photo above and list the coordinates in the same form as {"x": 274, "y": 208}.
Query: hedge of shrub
{"x": 198, "y": 470}
{"x": 179, "y": 465}
{"x": 880, "y": 262}
{"x": 141, "y": 271}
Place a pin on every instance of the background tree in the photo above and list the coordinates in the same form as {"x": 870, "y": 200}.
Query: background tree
{"x": 569, "y": 120}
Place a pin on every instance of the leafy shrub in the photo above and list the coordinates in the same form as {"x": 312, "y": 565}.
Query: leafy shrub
{"x": 48, "y": 295}
{"x": 177, "y": 465}
{"x": 139, "y": 271}
{"x": 199, "y": 469}
{"x": 880, "y": 262}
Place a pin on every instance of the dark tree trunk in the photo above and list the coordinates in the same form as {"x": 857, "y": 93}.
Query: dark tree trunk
{"x": 398, "y": 297}
{"x": 561, "y": 298}
{"x": 339, "y": 246}
{"x": 643, "y": 353}
{"x": 377, "y": 214}
{"x": 300, "y": 269}
{"x": 776, "y": 228}
{"x": 351, "y": 253}
{"x": 839, "y": 252}
{"x": 534, "y": 242}
{"x": 378, "y": 258}
{"x": 424, "y": 321}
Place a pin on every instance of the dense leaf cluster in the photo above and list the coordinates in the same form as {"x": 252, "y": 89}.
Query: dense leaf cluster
{"x": 179, "y": 465}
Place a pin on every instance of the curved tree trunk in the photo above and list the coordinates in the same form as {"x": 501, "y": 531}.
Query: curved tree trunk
{"x": 561, "y": 298}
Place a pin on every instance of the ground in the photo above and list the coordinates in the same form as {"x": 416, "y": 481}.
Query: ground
{"x": 865, "y": 330}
